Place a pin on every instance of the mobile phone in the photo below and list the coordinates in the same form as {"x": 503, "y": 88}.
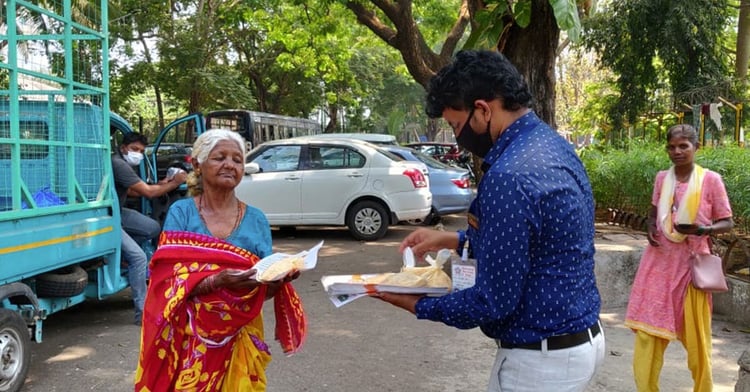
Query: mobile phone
{"x": 685, "y": 226}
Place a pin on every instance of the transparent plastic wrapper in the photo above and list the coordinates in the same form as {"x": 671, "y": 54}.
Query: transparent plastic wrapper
{"x": 278, "y": 265}
{"x": 172, "y": 171}
{"x": 411, "y": 276}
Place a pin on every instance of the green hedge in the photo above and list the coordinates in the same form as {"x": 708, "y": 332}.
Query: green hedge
{"x": 624, "y": 178}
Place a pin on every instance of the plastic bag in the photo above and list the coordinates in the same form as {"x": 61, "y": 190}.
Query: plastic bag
{"x": 44, "y": 198}
{"x": 432, "y": 275}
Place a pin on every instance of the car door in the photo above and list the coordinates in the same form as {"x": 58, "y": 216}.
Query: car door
{"x": 184, "y": 130}
{"x": 336, "y": 174}
{"x": 275, "y": 190}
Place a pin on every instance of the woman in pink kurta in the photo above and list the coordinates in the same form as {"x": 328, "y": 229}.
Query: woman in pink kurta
{"x": 663, "y": 304}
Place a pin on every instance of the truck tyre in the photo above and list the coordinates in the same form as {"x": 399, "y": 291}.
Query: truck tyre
{"x": 65, "y": 282}
{"x": 14, "y": 351}
{"x": 367, "y": 220}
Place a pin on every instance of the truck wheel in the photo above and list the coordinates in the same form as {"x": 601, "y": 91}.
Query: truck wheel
{"x": 367, "y": 221}
{"x": 65, "y": 282}
{"x": 14, "y": 351}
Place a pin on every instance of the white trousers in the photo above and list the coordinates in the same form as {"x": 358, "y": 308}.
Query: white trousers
{"x": 566, "y": 370}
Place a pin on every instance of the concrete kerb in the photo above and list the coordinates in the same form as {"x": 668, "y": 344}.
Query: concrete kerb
{"x": 616, "y": 262}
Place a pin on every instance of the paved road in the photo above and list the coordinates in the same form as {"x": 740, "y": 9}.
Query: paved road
{"x": 364, "y": 346}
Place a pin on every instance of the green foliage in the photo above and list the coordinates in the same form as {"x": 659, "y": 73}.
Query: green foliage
{"x": 647, "y": 43}
{"x": 566, "y": 15}
{"x": 624, "y": 178}
{"x": 490, "y": 21}
{"x": 489, "y": 24}
{"x": 4, "y": 76}
{"x": 731, "y": 162}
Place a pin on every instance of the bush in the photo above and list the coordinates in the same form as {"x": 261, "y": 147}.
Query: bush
{"x": 624, "y": 178}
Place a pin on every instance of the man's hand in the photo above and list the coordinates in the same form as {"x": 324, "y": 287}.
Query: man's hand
{"x": 180, "y": 177}
{"x": 407, "y": 302}
{"x": 425, "y": 240}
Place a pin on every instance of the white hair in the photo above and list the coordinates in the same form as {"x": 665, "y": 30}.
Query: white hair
{"x": 208, "y": 140}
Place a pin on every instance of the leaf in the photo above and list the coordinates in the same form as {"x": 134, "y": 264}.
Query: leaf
{"x": 522, "y": 13}
{"x": 489, "y": 26}
{"x": 566, "y": 14}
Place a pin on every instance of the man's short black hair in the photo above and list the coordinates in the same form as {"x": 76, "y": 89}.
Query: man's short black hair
{"x": 476, "y": 75}
{"x": 134, "y": 137}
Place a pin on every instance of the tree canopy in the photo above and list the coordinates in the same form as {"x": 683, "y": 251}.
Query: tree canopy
{"x": 652, "y": 45}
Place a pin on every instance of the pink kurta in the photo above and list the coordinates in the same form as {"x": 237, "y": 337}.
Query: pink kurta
{"x": 658, "y": 295}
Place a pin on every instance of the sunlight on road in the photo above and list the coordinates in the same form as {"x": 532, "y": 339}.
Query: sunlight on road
{"x": 71, "y": 353}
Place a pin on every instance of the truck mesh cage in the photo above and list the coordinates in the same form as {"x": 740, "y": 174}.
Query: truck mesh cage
{"x": 53, "y": 100}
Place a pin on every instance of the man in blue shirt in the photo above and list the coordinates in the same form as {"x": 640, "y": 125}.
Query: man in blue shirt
{"x": 530, "y": 229}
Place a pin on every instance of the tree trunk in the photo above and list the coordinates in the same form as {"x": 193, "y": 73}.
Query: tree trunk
{"x": 532, "y": 50}
{"x": 404, "y": 35}
{"x": 743, "y": 40}
{"x": 432, "y": 129}
{"x": 333, "y": 118}
{"x": 157, "y": 89}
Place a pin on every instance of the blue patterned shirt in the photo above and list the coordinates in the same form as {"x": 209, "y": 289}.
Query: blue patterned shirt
{"x": 531, "y": 230}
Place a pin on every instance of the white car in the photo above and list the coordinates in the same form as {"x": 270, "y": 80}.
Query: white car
{"x": 374, "y": 138}
{"x": 306, "y": 181}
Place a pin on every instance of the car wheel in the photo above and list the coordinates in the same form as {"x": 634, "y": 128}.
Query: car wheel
{"x": 367, "y": 221}
{"x": 430, "y": 220}
{"x": 14, "y": 350}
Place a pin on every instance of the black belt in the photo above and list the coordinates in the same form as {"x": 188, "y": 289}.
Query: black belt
{"x": 559, "y": 342}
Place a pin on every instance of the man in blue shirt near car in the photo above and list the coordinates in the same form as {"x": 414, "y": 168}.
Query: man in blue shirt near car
{"x": 530, "y": 229}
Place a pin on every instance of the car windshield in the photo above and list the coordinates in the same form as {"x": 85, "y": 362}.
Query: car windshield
{"x": 389, "y": 154}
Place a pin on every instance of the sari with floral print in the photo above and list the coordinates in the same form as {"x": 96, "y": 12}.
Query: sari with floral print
{"x": 211, "y": 342}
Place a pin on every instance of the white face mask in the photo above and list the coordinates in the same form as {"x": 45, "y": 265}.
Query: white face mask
{"x": 133, "y": 158}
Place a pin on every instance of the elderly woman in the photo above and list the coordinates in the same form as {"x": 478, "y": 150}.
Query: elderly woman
{"x": 203, "y": 327}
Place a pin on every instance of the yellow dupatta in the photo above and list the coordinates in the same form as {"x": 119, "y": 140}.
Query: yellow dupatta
{"x": 687, "y": 209}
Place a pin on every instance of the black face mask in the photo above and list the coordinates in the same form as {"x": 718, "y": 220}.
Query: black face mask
{"x": 478, "y": 145}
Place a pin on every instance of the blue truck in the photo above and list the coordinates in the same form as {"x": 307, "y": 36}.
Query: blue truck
{"x": 59, "y": 214}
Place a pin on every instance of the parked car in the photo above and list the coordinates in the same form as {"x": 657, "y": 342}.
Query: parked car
{"x": 374, "y": 138}
{"x": 327, "y": 181}
{"x": 171, "y": 155}
{"x": 444, "y": 152}
{"x": 450, "y": 186}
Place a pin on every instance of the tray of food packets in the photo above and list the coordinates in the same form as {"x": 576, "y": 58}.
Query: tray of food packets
{"x": 372, "y": 283}
{"x": 429, "y": 280}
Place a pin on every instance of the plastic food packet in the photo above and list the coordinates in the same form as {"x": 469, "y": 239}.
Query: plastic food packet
{"x": 433, "y": 275}
{"x": 412, "y": 276}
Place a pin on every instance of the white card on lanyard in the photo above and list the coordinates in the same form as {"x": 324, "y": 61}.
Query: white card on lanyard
{"x": 463, "y": 270}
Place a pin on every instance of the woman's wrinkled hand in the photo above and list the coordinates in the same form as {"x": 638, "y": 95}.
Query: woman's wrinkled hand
{"x": 273, "y": 287}
{"x": 653, "y": 235}
{"x": 237, "y": 279}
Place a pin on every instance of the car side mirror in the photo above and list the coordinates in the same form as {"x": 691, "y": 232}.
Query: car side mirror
{"x": 252, "y": 168}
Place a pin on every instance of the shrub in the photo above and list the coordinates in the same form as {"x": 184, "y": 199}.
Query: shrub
{"x": 624, "y": 178}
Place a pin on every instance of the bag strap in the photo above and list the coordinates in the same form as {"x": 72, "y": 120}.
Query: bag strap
{"x": 694, "y": 249}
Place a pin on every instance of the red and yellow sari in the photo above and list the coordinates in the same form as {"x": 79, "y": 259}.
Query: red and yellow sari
{"x": 211, "y": 342}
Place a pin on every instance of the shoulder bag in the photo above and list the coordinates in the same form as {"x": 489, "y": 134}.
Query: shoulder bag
{"x": 708, "y": 273}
